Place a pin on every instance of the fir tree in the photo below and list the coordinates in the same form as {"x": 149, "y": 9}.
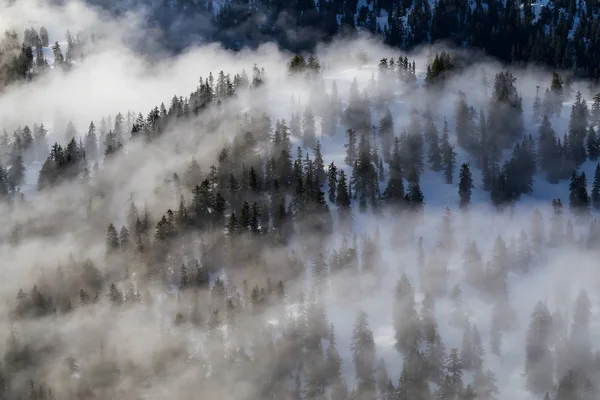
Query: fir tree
{"x": 332, "y": 180}
{"x": 448, "y": 157}
{"x": 434, "y": 154}
{"x": 351, "y": 148}
{"x": 363, "y": 355}
{"x": 386, "y": 134}
{"x": 537, "y": 107}
{"x": 308, "y": 128}
{"x": 592, "y": 144}
{"x": 465, "y": 186}
{"x": 538, "y": 358}
{"x": 595, "y": 195}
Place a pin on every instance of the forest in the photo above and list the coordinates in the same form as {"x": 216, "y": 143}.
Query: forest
{"x": 352, "y": 223}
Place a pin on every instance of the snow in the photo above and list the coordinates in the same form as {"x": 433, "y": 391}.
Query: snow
{"x": 376, "y": 297}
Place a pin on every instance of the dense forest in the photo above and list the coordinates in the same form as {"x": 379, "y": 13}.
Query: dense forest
{"x": 559, "y": 33}
{"x": 556, "y": 33}
{"x": 341, "y": 227}
{"x": 227, "y": 279}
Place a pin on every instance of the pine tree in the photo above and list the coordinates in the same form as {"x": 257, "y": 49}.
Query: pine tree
{"x": 44, "y": 36}
{"x": 538, "y": 357}
{"x": 579, "y": 201}
{"x": 577, "y": 131}
{"x": 464, "y": 123}
{"x": 112, "y": 239}
{"x": 319, "y": 164}
{"x": 595, "y": 113}
{"x": 592, "y": 144}
{"x": 394, "y": 192}
{"x": 556, "y": 92}
{"x": 363, "y": 355}
{"x": 454, "y": 366}
{"x": 333, "y": 361}
{"x": 465, "y": 186}
{"x": 91, "y": 143}
{"x": 343, "y": 198}
{"x": 184, "y": 279}
{"x": 434, "y": 155}
{"x": 332, "y": 179}
{"x": 406, "y": 320}
{"x": 386, "y": 133}
{"x": 415, "y": 197}
{"x": 448, "y": 157}
{"x": 580, "y": 344}
{"x": 595, "y": 195}
{"x": 537, "y": 107}
{"x": 308, "y": 128}
{"x": 351, "y": 148}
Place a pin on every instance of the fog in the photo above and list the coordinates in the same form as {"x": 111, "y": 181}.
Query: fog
{"x": 136, "y": 350}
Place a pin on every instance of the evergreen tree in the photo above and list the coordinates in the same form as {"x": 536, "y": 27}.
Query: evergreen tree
{"x": 351, "y": 148}
{"x": 434, "y": 155}
{"x": 538, "y": 358}
{"x": 386, "y": 134}
{"x": 394, "y": 192}
{"x": 505, "y": 116}
{"x": 592, "y": 144}
{"x": 308, "y": 128}
{"x": 595, "y": 195}
{"x": 332, "y": 179}
{"x": 595, "y": 112}
{"x": 448, "y": 157}
{"x": 91, "y": 143}
{"x": 577, "y": 131}
{"x": 406, "y": 320}
{"x": 556, "y": 95}
{"x": 465, "y": 186}
{"x": 363, "y": 355}
{"x": 112, "y": 239}
{"x": 343, "y": 198}
{"x": 579, "y": 201}
{"x": 537, "y": 107}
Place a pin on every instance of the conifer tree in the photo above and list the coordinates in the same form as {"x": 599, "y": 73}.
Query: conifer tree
{"x": 308, "y": 128}
{"x": 595, "y": 112}
{"x": 91, "y": 143}
{"x": 394, "y": 192}
{"x": 577, "y": 131}
{"x": 448, "y": 157}
{"x": 595, "y": 195}
{"x": 386, "y": 134}
{"x": 406, "y": 320}
{"x": 538, "y": 358}
{"x": 592, "y": 144}
{"x": 579, "y": 201}
{"x": 415, "y": 197}
{"x": 465, "y": 185}
{"x": 464, "y": 123}
{"x": 363, "y": 355}
{"x": 434, "y": 155}
{"x": 343, "y": 198}
{"x": 112, "y": 239}
{"x": 332, "y": 174}
{"x": 319, "y": 164}
{"x": 351, "y": 148}
{"x": 537, "y": 107}
{"x": 333, "y": 360}
{"x": 556, "y": 92}
{"x": 40, "y": 143}
{"x": 44, "y": 36}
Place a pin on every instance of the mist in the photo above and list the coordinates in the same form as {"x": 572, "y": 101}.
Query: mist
{"x": 252, "y": 320}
